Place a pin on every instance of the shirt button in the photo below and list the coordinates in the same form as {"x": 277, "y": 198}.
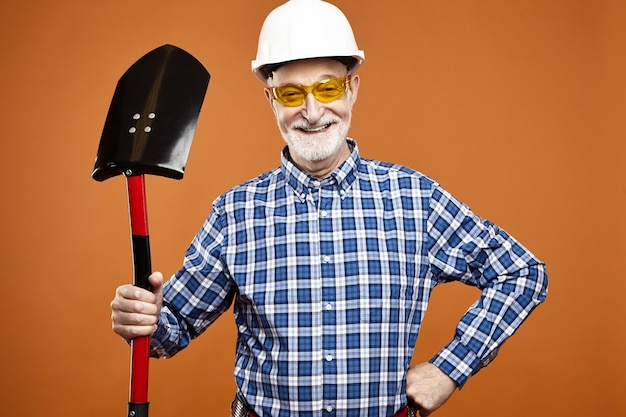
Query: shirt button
{"x": 324, "y": 213}
{"x": 328, "y": 306}
{"x": 326, "y": 258}
{"x": 329, "y": 358}
{"x": 329, "y": 408}
{"x": 316, "y": 184}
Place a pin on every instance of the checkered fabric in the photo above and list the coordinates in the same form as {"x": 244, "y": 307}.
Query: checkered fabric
{"x": 331, "y": 279}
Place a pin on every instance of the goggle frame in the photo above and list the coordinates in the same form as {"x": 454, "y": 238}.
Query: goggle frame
{"x": 299, "y": 92}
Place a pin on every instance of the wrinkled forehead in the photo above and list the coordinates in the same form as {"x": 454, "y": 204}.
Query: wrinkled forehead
{"x": 307, "y": 72}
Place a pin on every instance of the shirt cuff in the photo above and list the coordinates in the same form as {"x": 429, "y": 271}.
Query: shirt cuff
{"x": 457, "y": 361}
{"x": 157, "y": 349}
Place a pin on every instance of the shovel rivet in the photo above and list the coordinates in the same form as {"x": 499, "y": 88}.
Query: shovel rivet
{"x": 131, "y": 414}
{"x": 147, "y": 129}
{"x": 151, "y": 116}
{"x": 128, "y": 172}
{"x": 136, "y": 116}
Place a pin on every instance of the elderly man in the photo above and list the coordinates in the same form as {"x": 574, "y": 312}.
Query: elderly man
{"x": 330, "y": 259}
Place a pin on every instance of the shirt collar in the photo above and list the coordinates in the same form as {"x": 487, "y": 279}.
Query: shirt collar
{"x": 302, "y": 183}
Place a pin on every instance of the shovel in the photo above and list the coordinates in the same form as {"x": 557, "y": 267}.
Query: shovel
{"x": 148, "y": 130}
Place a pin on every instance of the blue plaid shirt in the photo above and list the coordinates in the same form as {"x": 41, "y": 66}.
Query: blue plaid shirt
{"x": 331, "y": 279}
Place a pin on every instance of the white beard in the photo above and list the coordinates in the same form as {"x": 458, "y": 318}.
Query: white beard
{"x": 320, "y": 146}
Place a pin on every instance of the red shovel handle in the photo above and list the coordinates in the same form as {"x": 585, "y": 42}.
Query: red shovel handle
{"x": 140, "y": 347}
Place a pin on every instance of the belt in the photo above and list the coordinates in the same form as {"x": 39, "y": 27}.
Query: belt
{"x": 239, "y": 408}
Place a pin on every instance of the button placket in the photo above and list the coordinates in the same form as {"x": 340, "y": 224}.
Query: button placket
{"x": 328, "y": 198}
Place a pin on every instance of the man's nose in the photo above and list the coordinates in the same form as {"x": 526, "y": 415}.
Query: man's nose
{"x": 312, "y": 109}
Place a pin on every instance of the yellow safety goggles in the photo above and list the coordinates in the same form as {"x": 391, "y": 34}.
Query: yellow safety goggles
{"x": 324, "y": 91}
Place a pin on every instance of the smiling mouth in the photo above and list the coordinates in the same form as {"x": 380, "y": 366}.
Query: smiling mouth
{"x": 314, "y": 129}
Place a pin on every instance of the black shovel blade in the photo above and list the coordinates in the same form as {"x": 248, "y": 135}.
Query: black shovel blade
{"x": 153, "y": 116}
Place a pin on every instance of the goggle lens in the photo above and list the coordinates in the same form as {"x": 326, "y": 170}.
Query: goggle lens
{"x": 324, "y": 91}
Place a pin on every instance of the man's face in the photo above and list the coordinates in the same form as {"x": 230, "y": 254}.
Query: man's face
{"x": 314, "y": 131}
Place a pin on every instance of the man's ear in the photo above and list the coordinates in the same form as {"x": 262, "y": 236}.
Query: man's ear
{"x": 268, "y": 96}
{"x": 355, "y": 81}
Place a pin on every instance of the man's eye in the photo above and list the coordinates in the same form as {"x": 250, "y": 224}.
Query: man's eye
{"x": 289, "y": 93}
{"x": 329, "y": 90}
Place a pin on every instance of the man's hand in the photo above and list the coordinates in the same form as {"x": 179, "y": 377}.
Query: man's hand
{"x": 135, "y": 311}
{"x": 427, "y": 387}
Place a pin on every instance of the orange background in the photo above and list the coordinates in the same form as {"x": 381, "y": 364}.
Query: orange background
{"x": 517, "y": 107}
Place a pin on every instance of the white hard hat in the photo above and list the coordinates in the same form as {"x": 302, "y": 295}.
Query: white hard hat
{"x": 301, "y": 29}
